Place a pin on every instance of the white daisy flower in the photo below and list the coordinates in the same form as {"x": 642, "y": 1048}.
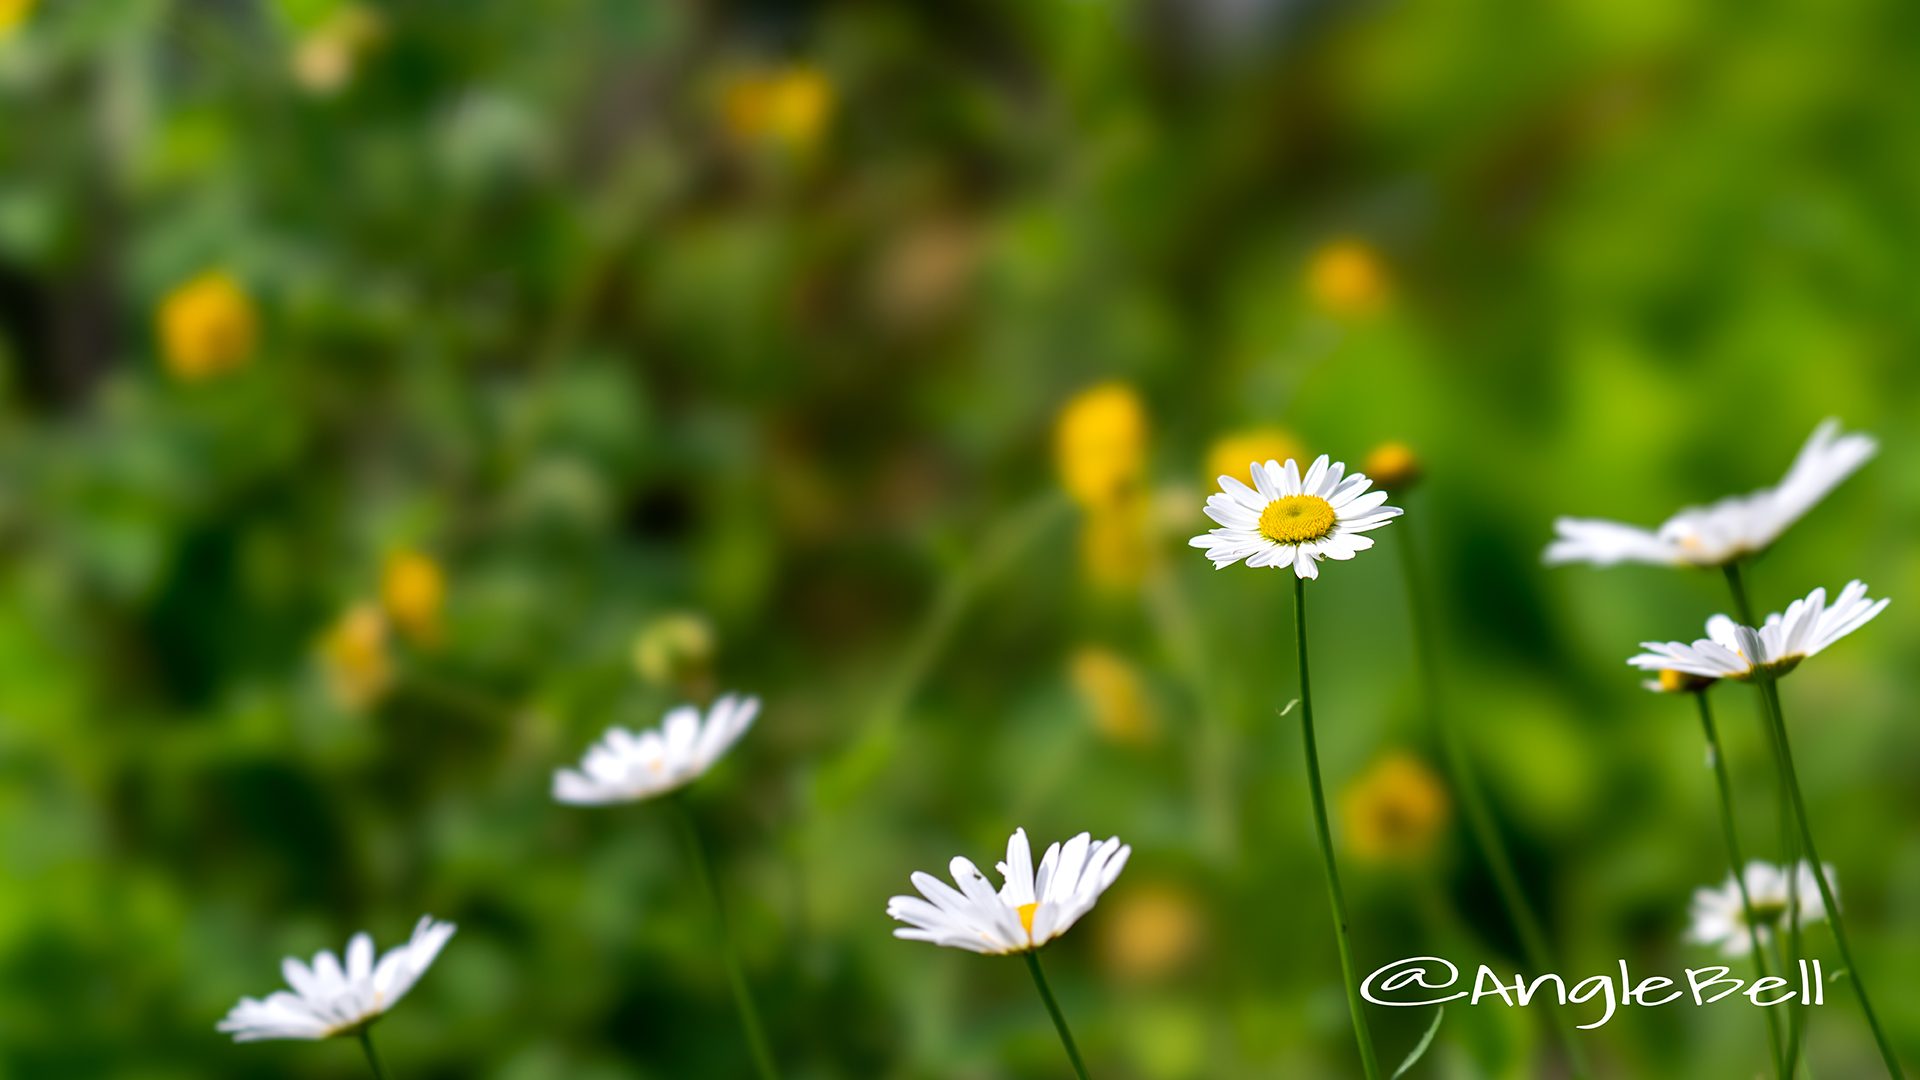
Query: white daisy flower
{"x": 1028, "y": 911}
{"x": 624, "y": 767}
{"x": 1730, "y": 529}
{"x": 1732, "y": 651}
{"x": 1719, "y": 918}
{"x": 1287, "y": 520}
{"x": 329, "y": 999}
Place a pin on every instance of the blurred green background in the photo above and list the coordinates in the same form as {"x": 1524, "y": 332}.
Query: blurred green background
{"x": 392, "y": 397}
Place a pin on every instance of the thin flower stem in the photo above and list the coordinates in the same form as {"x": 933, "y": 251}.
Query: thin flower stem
{"x": 1770, "y": 689}
{"x": 1789, "y": 841}
{"x": 1053, "y": 1010}
{"x": 736, "y": 976}
{"x": 1782, "y": 1066}
{"x": 1473, "y": 802}
{"x": 1355, "y": 1007}
{"x": 373, "y": 1058}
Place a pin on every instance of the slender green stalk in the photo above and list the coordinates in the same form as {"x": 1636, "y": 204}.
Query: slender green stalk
{"x": 1355, "y": 1006}
{"x": 1789, "y": 842}
{"x": 1053, "y": 1010}
{"x": 1770, "y": 689}
{"x": 373, "y": 1058}
{"x": 1473, "y": 802}
{"x": 1782, "y": 1065}
{"x": 742, "y": 997}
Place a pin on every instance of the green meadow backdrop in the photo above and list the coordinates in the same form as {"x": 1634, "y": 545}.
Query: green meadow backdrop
{"x": 394, "y": 395}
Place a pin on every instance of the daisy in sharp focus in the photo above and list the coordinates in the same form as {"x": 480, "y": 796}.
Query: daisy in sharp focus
{"x": 1029, "y": 909}
{"x": 624, "y": 767}
{"x": 1725, "y": 531}
{"x": 331, "y": 999}
{"x": 1289, "y": 520}
{"x": 1719, "y": 918}
{"x": 1732, "y": 651}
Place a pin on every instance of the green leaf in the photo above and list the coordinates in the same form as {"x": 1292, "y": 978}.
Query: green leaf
{"x": 1420, "y": 1048}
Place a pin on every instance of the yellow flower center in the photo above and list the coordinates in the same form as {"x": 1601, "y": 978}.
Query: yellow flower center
{"x": 1026, "y": 917}
{"x": 1296, "y": 519}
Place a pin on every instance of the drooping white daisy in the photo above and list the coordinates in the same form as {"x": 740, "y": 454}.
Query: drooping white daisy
{"x": 1026, "y": 912}
{"x": 624, "y": 767}
{"x": 329, "y": 999}
{"x": 1287, "y": 520}
{"x": 1732, "y": 651}
{"x": 1730, "y": 529}
{"x": 1719, "y": 918}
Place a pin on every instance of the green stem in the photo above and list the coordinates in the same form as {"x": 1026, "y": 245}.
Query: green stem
{"x": 1781, "y": 1064}
{"x": 736, "y": 976}
{"x": 1770, "y": 689}
{"x": 1473, "y": 802}
{"x": 1053, "y": 1010}
{"x": 1355, "y": 1007}
{"x": 373, "y": 1058}
{"x": 1789, "y": 842}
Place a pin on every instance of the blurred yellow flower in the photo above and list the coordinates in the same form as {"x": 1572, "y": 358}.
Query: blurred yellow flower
{"x": 1116, "y": 543}
{"x": 326, "y": 57}
{"x": 13, "y": 14}
{"x": 1113, "y": 694}
{"x": 1231, "y": 453}
{"x": 1346, "y": 278}
{"x": 413, "y": 589}
{"x": 1151, "y": 931}
{"x": 1393, "y": 466}
{"x": 1395, "y": 811}
{"x": 675, "y": 649}
{"x": 791, "y": 106}
{"x": 207, "y": 327}
{"x": 1100, "y": 443}
{"x": 355, "y": 659}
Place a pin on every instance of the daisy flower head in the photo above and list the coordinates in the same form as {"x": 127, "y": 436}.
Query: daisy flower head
{"x": 1289, "y": 520}
{"x": 1732, "y": 651}
{"x": 1725, "y": 531}
{"x": 1029, "y": 909}
{"x": 1718, "y": 916}
{"x": 329, "y": 998}
{"x": 624, "y": 767}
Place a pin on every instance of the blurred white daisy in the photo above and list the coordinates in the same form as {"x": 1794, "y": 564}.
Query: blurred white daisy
{"x": 1732, "y": 651}
{"x": 329, "y": 999}
{"x": 624, "y": 767}
{"x": 1727, "y": 530}
{"x": 1287, "y": 520}
{"x": 1719, "y": 917}
{"x": 1029, "y": 909}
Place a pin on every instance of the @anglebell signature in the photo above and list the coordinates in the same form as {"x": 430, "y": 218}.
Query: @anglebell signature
{"x": 1430, "y": 980}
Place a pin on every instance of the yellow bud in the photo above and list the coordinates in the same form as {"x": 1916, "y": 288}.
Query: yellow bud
{"x": 1100, "y": 444}
{"x": 1345, "y": 278}
{"x": 414, "y": 590}
{"x": 1393, "y": 466}
{"x": 13, "y": 14}
{"x": 207, "y": 328}
{"x": 674, "y": 649}
{"x": 791, "y": 106}
{"x": 1395, "y": 811}
{"x": 355, "y": 659}
{"x": 1114, "y": 695}
{"x": 1150, "y": 932}
{"x": 1232, "y": 453}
